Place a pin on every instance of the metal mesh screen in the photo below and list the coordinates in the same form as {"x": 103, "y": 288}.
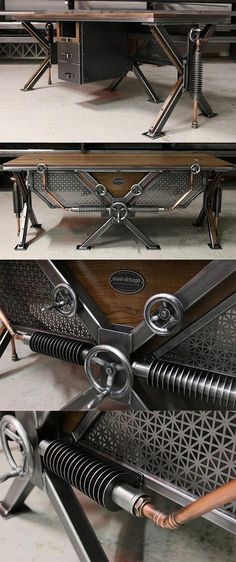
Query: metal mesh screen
{"x": 193, "y": 451}
{"x": 212, "y": 347}
{"x": 71, "y": 191}
{"x": 67, "y": 186}
{"x": 169, "y": 188}
{"x": 24, "y": 291}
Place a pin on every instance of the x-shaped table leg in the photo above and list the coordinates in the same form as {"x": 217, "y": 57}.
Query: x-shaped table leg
{"x": 46, "y": 44}
{"x": 184, "y": 75}
{"x": 118, "y": 210}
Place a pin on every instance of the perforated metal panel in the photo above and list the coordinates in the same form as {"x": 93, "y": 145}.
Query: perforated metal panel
{"x": 212, "y": 347}
{"x": 169, "y": 188}
{"x": 24, "y": 291}
{"x": 67, "y": 186}
{"x": 193, "y": 451}
{"x": 71, "y": 191}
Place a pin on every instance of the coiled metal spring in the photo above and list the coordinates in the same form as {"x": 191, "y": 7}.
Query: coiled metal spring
{"x": 56, "y": 346}
{"x": 93, "y": 477}
{"x": 89, "y": 209}
{"x": 197, "y": 73}
{"x": 195, "y": 383}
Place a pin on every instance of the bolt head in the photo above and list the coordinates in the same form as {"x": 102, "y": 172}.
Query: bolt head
{"x": 164, "y": 314}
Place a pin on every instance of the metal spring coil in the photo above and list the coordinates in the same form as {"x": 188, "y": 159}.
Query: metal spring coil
{"x": 93, "y": 477}
{"x": 197, "y": 74}
{"x": 56, "y": 346}
{"x": 195, "y": 383}
{"x": 89, "y": 209}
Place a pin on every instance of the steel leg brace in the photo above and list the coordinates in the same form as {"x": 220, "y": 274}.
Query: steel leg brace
{"x": 46, "y": 43}
{"x": 118, "y": 210}
{"x": 28, "y": 213}
{"x": 211, "y": 210}
{"x": 152, "y": 94}
{"x": 5, "y": 339}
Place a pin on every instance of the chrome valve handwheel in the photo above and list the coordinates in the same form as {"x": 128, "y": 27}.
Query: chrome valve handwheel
{"x": 195, "y": 169}
{"x": 163, "y": 314}
{"x": 65, "y": 293}
{"x": 17, "y": 448}
{"x": 118, "y": 211}
{"x": 137, "y": 189}
{"x": 109, "y": 371}
{"x": 64, "y": 301}
{"x": 41, "y": 168}
{"x": 100, "y": 189}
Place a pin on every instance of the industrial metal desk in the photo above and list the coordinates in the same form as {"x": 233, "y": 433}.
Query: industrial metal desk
{"x": 147, "y": 334}
{"x": 118, "y": 187}
{"x": 95, "y": 45}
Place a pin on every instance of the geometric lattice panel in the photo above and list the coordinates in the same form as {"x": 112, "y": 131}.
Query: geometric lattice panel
{"x": 212, "y": 347}
{"x": 67, "y": 186}
{"x": 193, "y": 451}
{"x": 169, "y": 188}
{"x": 21, "y": 50}
{"x": 24, "y": 291}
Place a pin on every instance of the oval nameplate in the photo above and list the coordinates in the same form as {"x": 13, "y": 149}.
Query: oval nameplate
{"x": 127, "y": 281}
{"x": 118, "y": 181}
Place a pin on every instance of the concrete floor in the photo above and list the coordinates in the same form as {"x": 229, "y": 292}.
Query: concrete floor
{"x": 38, "y": 535}
{"x": 37, "y": 382}
{"x": 70, "y": 113}
{"x": 173, "y": 231}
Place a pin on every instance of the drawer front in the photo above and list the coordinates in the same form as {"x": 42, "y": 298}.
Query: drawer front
{"x": 69, "y": 72}
{"x": 68, "y": 52}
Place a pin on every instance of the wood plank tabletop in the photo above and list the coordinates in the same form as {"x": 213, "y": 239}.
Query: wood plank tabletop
{"x": 116, "y": 161}
{"x": 160, "y": 16}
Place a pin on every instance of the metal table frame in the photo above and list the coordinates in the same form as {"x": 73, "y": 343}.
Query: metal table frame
{"x": 119, "y": 210}
{"x": 188, "y": 80}
{"x": 184, "y": 67}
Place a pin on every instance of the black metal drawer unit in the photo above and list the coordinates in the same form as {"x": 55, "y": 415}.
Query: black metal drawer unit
{"x": 89, "y": 52}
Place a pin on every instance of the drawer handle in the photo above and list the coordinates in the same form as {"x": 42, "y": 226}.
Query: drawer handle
{"x": 69, "y": 74}
{"x": 66, "y": 55}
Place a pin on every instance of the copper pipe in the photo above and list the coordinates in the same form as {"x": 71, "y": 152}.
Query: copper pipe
{"x": 7, "y": 324}
{"x": 44, "y": 188}
{"x": 184, "y": 195}
{"x": 214, "y": 500}
{"x": 9, "y": 327}
{"x": 14, "y": 355}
